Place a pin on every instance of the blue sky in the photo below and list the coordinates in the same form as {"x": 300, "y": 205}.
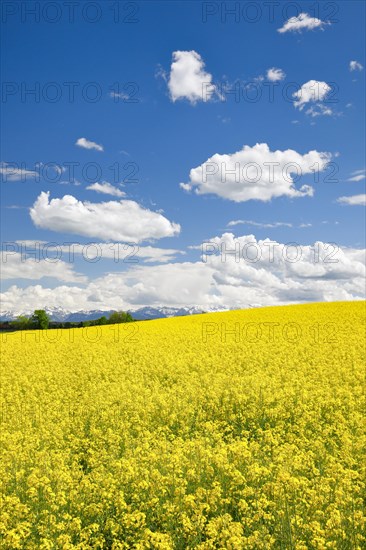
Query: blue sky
{"x": 167, "y": 132}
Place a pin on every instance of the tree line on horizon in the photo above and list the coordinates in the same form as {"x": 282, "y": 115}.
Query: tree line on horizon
{"x": 39, "y": 320}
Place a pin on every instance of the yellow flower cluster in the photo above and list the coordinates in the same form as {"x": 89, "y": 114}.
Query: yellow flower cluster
{"x": 191, "y": 434}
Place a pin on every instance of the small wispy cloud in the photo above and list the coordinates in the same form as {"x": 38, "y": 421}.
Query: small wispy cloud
{"x": 357, "y": 175}
{"x": 107, "y": 189}
{"x": 353, "y": 200}
{"x": 319, "y": 110}
{"x": 275, "y": 75}
{"x": 355, "y": 66}
{"x": 87, "y": 144}
{"x": 303, "y": 22}
{"x": 258, "y": 224}
{"x": 119, "y": 95}
{"x": 224, "y": 119}
{"x": 271, "y": 225}
{"x": 13, "y": 172}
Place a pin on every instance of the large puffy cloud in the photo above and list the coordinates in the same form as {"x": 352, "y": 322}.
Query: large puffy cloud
{"x": 15, "y": 265}
{"x": 321, "y": 260}
{"x": 302, "y": 22}
{"x": 91, "y": 252}
{"x": 188, "y": 78}
{"x": 26, "y": 300}
{"x": 241, "y": 272}
{"x": 171, "y": 284}
{"x": 255, "y": 173}
{"x": 123, "y": 220}
{"x": 312, "y": 91}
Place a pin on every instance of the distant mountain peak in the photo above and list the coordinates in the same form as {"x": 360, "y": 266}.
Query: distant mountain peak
{"x": 60, "y": 314}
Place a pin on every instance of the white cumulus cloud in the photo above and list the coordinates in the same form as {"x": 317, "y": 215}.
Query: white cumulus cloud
{"x": 255, "y": 173}
{"x": 260, "y": 273}
{"x": 188, "y": 78}
{"x": 15, "y": 265}
{"x": 311, "y": 92}
{"x": 126, "y": 253}
{"x": 123, "y": 220}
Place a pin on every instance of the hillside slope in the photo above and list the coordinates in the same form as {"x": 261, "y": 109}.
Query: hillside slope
{"x": 241, "y": 429}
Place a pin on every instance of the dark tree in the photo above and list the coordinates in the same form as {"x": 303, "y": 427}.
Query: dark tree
{"x": 40, "y": 319}
{"x": 21, "y": 323}
{"x": 120, "y": 317}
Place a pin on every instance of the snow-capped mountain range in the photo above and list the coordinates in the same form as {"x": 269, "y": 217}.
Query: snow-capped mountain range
{"x": 142, "y": 313}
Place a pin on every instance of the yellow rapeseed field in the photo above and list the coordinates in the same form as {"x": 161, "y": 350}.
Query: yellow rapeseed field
{"x": 237, "y": 430}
